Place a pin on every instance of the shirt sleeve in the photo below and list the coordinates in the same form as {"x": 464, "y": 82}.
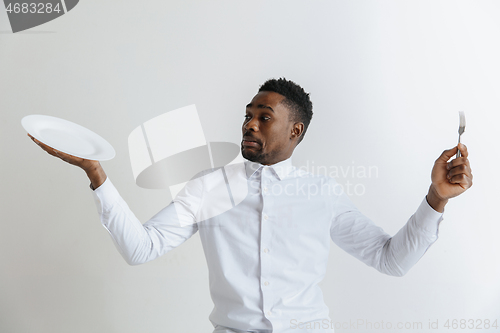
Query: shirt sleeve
{"x": 139, "y": 243}
{"x": 360, "y": 237}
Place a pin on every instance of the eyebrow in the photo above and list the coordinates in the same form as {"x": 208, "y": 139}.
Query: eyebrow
{"x": 261, "y": 106}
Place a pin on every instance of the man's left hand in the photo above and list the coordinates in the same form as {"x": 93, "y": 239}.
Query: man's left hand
{"x": 449, "y": 179}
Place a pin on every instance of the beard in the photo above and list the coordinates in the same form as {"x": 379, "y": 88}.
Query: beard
{"x": 254, "y": 156}
{"x": 258, "y": 156}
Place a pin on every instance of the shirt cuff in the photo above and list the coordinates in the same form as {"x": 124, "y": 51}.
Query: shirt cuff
{"x": 427, "y": 218}
{"x": 105, "y": 196}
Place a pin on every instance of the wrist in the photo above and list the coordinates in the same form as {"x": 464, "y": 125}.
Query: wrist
{"x": 435, "y": 200}
{"x": 90, "y": 166}
{"x": 95, "y": 173}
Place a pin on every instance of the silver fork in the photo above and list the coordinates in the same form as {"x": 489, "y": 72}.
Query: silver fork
{"x": 461, "y": 129}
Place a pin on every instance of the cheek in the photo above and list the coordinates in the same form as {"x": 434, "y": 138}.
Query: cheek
{"x": 273, "y": 142}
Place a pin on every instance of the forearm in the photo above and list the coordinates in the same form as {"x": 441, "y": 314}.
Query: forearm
{"x": 360, "y": 237}
{"x": 96, "y": 174}
{"x": 126, "y": 231}
{"x": 139, "y": 243}
{"x": 410, "y": 243}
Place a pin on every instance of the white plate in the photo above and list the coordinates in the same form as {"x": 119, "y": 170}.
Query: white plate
{"x": 68, "y": 137}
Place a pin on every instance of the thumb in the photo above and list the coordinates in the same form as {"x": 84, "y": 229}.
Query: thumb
{"x": 447, "y": 154}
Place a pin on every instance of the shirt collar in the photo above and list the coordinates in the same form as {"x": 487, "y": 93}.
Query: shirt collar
{"x": 282, "y": 169}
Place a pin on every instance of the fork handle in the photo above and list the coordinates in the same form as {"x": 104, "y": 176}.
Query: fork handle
{"x": 458, "y": 151}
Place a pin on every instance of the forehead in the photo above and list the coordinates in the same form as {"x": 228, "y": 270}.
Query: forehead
{"x": 269, "y": 98}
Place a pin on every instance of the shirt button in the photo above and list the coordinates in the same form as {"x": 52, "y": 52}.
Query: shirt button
{"x": 265, "y": 189}
{"x": 266, "y": 250}
{"x": 266, "y": 283}
{"x": 268, "y": 313}
{"x": 265, "y": 217}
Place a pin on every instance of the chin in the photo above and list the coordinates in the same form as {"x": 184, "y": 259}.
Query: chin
{"x": 252, "y": 156}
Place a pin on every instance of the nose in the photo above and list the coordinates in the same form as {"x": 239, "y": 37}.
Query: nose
{"x": 252, "y": 124}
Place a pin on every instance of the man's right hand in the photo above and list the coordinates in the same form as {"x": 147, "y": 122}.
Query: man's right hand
{"x": 92, "y": 168}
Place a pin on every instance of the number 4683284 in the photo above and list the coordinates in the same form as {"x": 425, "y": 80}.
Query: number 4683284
{"x": 471, "y": 324}
{"x": 33, "y": 8}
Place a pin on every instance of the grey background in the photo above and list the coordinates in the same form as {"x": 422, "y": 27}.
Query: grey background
{"x": 386, "y": 78}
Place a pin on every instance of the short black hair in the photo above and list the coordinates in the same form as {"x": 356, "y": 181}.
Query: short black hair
{"x": 296, "y": 99}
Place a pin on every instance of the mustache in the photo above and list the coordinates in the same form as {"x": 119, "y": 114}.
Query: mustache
{"x": 249, "y": 137}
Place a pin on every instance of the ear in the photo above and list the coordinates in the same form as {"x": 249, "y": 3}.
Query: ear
{"x": 297, "y": 130}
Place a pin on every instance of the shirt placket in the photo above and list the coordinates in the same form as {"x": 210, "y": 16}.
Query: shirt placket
{"x": 266, "y": 250}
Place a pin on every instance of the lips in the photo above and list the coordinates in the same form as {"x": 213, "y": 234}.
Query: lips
{"x": 249, "y": 141}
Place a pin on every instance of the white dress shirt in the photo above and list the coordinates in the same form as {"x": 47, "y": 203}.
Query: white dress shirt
{"x": 268, "y": 250}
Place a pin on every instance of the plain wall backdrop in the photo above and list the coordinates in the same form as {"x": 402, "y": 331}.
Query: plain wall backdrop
{"x": 387, "y": 79}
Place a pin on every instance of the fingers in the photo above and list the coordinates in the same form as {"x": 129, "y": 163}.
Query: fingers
{"x": 447, "y": 154}
{"x": 48, "y": 149}
{"x": 34, "y": 140}
{"x": 463, "y": 150}
{"x": 454, "y": 177}
{"x": 459, "y": 160}
{"x": 78, "y": 161}
{"x": 461, "y": 179}
{"x": 40, "y": 144}
{"x": 460, "y": 171}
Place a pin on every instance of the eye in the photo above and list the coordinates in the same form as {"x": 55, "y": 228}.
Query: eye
{"x": 266, "y": 118}
{"x": 246, "y": 116}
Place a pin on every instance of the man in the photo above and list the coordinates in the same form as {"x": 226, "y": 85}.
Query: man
{"x": 267, "y": 253}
